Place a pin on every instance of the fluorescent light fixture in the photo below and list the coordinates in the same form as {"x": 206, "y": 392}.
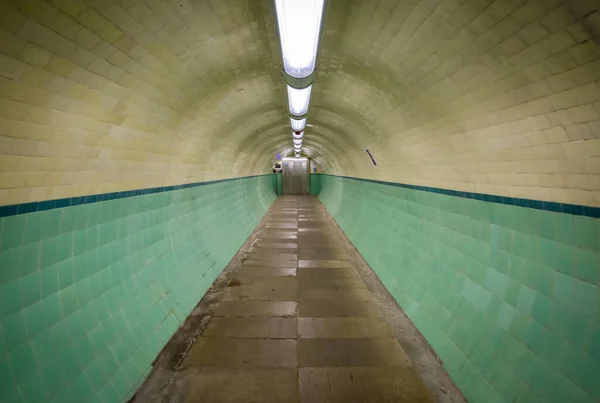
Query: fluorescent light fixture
{"x": 299, "y": 24}
{"x": 298, "y": 142}
{"x": 297, "y": 124}
{"x": 298, "y": 100}
{"x": 297, "y": 135}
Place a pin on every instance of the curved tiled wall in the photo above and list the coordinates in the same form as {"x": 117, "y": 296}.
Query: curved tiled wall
{"x": 499, "y": 98}
{"x": 89, "y": 294}
{"x": 506, "y": 295}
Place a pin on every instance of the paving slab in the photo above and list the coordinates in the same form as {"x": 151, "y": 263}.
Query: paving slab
{"x": 261, "y": 293}
{"x": 338, "y": 309}
{"x": 261, "y": 328}
{"x": 346, "y": 294}
{"x": 344, "y": 328}
{"x": 237, "y": 385}
{"x": 351, "y": 353}
{"x": 260, "y": 271}
{"x": 358, "y": 385}
{"x": 257, "y": 308}
{"x": 237, "y": 352}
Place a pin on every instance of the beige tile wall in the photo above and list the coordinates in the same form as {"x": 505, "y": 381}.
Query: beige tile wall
{"x": 498, "y": 97}
{"x": 101, "y": 96}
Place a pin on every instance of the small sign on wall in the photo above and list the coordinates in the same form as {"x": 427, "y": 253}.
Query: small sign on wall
{"x": 372, "y": 159}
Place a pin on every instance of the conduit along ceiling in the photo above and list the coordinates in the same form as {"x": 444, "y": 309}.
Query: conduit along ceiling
{"x": 299, "y": 25}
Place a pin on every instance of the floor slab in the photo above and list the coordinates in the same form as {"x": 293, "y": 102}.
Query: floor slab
{"x": 237, "y": 352}
{"x": 261, "y": 293}
{"x": 261, "y": 271}
{"x": 351, "y": 353}
{"x": 257, "y": 308}
{"x": 327, "y": 272}
{"x": 343, "y": 328}
{"x": 333, "y": 282}
{"x": 354, "y": 385}
{"x": 237, "y": 385}
{"x": 346, "y": 294}
{"x": 338, "y": 309}
{"x": 262, "y": 328}
{"x": 324, "y": 263}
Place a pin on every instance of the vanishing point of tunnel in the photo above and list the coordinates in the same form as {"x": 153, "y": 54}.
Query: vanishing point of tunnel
{"x": 304, "y": 201}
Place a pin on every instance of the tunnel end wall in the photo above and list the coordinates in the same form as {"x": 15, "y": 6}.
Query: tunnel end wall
{"x": 506, "y": 295}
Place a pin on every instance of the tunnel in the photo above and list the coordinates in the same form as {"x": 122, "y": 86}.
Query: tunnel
{"x": 455, "y": 157}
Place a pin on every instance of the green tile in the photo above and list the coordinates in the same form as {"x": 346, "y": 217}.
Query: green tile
{"x": 589, "y": 381}
{"x": 30, "y": 258}
{"x": 594, "y": 349}
{"x": 96, "y": 374}
{"x": 574, "y": 364}
{"x": 81, "y": 387}
{"x": 69, "y": 301}
{"x": 512, "y": 292}
{"x": 496, "y": 282}
{"x": 65, "y": 246}
{"x": 22, "y": 363}
{"x": 64, "y": 270}
{"x": 584, "y": 233}
{"x": 10, "y": 265}
{"x": 70, "y": 364}
{"x": 505, "y": 316}
{"x": 13, "y": 397}
{"x": 52, "y": 309}
{"x": 3, "y": 350}
{"x": 79, "y": 241}
{"x": 6, "y": 376}
{"x": 45, "y": 348}
{"x": 54, "y": 378}
{"x": 49, "y": 280}
{"x": 526, "y": 299}
{"x": 15, "y": 331}
{"x": 10, "y": 297}
{"x": 576, "y": 294}
{"x": 49, "y": 252}
{"x": 31, "y": 288}
{"x": 108, "y": 394}
{"x": 540, "y": 278}
{"x": 108, "y": 362}
{"x": 565, "y": 230}
{"x": 67, "y": 221}
{"x": 35, "y": 317}
{"x": 586, "y": 267}
{"x": 34, "y": 389}
{"x": 13, "y": 232}
{"x": 579, "y": 330}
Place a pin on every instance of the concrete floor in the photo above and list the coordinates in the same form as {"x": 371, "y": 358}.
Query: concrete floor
{"x": 292, "y": 320}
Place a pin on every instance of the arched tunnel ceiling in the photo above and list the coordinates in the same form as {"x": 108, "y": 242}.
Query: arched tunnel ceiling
{"x": 496, "y": 97}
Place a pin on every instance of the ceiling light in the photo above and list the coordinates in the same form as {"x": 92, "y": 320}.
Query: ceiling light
{"x": 297, "y": 135}
{"x": 298, "y": 100}
{"x": 299, "y": 23}
{"x": 297, "y": 124}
